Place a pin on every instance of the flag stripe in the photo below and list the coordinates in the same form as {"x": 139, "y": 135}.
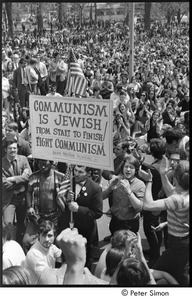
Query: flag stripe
{"x": 76, "y": 81}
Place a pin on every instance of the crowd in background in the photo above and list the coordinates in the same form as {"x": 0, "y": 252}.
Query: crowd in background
{"x": 152, "y": 107}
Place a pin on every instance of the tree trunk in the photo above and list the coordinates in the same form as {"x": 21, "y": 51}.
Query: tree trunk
{"x": 179, "y": 16}
{"x": 91, "y": 15}
{"x": 147, "y": 15}
{"x": 60, "y": 15}
{"x": 40, "y": 19}
{"x": 8, "y": 6}
{"x": 81, "y": 13}
{"x": 95, "y": 15}
{"x": 127, "y": 14}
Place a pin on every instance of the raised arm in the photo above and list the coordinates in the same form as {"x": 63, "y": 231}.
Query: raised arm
{"x": 73, "y": 247}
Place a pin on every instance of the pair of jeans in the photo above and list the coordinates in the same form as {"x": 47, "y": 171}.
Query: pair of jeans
{"x": 175, "y": 259}
{"x": 154, "y": 238}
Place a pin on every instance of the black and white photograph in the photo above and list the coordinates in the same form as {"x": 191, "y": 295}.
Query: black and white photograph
{"x": 96, "y": 148}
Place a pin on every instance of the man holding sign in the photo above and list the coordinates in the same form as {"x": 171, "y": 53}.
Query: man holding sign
{"x": 86, "y": 203}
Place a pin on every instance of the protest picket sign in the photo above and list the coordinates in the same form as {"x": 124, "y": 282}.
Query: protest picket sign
{"x": 72, "y": 130}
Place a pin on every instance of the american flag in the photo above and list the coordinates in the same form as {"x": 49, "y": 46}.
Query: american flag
{"x": 76, "y": 81}
{"x": 62, "y": 193}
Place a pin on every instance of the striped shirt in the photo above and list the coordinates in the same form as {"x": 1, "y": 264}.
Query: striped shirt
{"x": 178, "y": 215}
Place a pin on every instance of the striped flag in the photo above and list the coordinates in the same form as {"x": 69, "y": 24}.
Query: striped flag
{"x": 62, "y": 193}
{"x": 76, "y": 81}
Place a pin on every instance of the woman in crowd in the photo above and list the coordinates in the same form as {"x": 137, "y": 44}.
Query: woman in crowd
{"x": 133, "y": 99}
{"x": 121, "y": 129}
{"x": 23, "y": 119}
{"x": 136, "y": 85}
{"x": 16, "y": 276}
{"x": 153, "y": 126}
{"x": 127, "y": 193}
{"x": 169, "y": 115}
{"x": 176, "y": 256}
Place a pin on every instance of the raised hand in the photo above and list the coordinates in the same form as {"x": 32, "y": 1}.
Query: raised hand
{"x": 73, "y": 247}
{"x": 113, "y": 182}
{"x": 129, "y": 247}
{"x": 164, "y": 166}
{"x": 138, "y": 155}
{"x": 146, "y": 176}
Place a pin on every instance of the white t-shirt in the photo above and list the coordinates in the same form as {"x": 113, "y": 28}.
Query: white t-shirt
{"x": 13, "y": 254}
{"x": 56, "y": 277}
{"x": 39, "y": 258}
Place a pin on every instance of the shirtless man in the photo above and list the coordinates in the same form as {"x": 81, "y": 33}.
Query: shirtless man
{"x": 42, "y": 199}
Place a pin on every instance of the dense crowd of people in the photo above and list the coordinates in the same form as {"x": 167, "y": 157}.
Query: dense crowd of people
{"x": 150, "y": 117}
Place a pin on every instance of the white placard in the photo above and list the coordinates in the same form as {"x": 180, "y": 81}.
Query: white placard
{"x": 72, "y": 130}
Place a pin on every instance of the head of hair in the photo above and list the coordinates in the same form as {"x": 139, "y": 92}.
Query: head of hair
{"x": 113, "y": 258}
{"x": 187, "y": 144}
{"x": 157, "y": 148}
{"x": 16, "y": 275}
{"x": 181, "y": 173}
{"x": 33, "y": 61}
{"x": 119, "y": 106}
{"x": 173, "y": 134}
{"x": 46, "y": 226}
{"x": 118, "y": 87}
{"x": 171, "y": 102}
{"x": 55, "y": 54}
{"x": 123, "y": 93}
{"x": 132, "y": 272}
{"x": 96, "y": 89}
{"x": 22, "y": 60}
{"x": 13, "y": 126}
{"x": 177, "y": 150}
{"x": 133, "y": 161}
{"x": 9, "y": 142}
{"x": 156, "y": 112}
{"x": 186, "y": 118}
{"x": 119, "y": 238}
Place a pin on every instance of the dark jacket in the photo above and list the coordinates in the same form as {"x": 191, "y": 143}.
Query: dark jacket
{"x": 19, "y": 187}
{"x": 90, "y": 203}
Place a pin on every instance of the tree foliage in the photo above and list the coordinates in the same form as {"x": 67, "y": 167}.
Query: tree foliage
{"x": 170, "y": 10}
